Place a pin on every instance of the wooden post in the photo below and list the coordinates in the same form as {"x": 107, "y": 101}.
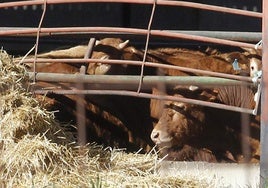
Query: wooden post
{"x": 264, "y": 100}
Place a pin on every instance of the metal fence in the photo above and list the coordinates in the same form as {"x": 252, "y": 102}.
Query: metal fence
{"x": 147, "y": 31}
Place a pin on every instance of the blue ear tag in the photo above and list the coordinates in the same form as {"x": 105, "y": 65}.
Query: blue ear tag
{"x": 236, "y": 65}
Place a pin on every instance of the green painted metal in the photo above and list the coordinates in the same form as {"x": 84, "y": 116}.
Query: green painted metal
{"x": 131, "y": 82}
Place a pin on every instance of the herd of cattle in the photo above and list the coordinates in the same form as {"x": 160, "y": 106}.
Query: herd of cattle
{"x": 181, "y": 131}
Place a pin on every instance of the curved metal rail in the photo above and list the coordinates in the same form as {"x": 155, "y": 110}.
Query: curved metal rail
{"x": 139, "y": 63}
{"x": 131, "y": 31}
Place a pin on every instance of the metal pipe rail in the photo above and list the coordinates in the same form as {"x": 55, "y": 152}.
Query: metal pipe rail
{"x": 149, "y": 96}
{"x": 130, "y": 31}
{"x": 131, "y": 82}
{"x": 227, "y": 35}
{"x": 139, "y": 63}
{"x": 124, "y": 85}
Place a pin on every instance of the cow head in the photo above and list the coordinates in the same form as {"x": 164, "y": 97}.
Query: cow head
{"x": 178, "y": 123}
{"x": 108, "y": 48}
{"x": 255, "y": 66}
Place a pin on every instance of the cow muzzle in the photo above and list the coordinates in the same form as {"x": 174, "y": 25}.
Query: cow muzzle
{"x": 161, "y": 138}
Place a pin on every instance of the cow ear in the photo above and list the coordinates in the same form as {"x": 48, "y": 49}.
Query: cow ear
{"x": 123, "y": 44}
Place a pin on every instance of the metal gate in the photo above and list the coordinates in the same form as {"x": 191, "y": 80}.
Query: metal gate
{"x": 136, "y": 82}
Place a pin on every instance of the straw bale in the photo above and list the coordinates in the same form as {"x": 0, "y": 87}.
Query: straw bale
{"x": 12, "y": 75}
{"x": 33, "y": 154}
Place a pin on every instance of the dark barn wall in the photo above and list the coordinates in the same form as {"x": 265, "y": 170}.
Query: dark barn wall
{"x": 82, "y": 14}
{"x": 165, "y": 18}
{"x": 209, "y": 20}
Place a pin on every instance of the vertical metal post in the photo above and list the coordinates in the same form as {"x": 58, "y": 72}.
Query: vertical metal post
{"x": 81, "y": 101}
{"x": 81, "y": 113}
{"x": 264, "y": 99}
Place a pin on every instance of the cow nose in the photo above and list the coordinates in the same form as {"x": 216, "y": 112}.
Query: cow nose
{"x": 155, "y": 135}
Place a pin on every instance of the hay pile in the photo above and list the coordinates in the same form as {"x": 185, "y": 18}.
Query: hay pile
{"x": 37, "y": 151}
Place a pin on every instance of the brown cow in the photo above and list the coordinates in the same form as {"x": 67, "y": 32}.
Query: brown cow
{"x": 116, "y": 121}
{"x": 199, "y": 60}
{"x": 115, "y": 48}
{"x": 207, "y": 130}
{"x": 191, "y": 132}
{"x": 107, "y": 48}
{"x": 108, "y": 117}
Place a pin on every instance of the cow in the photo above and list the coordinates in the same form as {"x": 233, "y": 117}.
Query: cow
{"x": 107, "y": 48}
{"x": 199, "y": 60}
{"x": 116, "y": 48}
{"x": 108, "y": 118}
{"x": 185, "y": 131}
{"x": 202, "y": 128}
{"x": 116, "y": 121}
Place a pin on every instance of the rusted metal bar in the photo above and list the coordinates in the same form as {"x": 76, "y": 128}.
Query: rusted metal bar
{"x": 131, "y": 82}
{"x": 159, "y": 2}
{"x": 227, "y": 35}
{"x": 38, "y": 35}
{"x": 89, "y": 51}
{"x": 146, "y": 45}
{"x": 264, "y": 99}
{"x": 161, "y": 33}
{"x": 138, "y": 63}
{"x": 80, "y": 117}
{"x": 146, "y": 95}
